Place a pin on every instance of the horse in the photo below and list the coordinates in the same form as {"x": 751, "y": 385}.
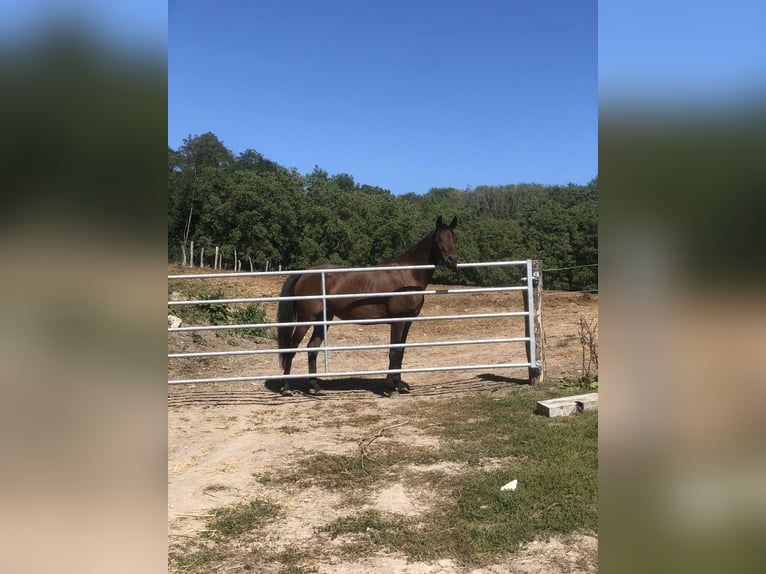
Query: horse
{"x": 438, "y": 248}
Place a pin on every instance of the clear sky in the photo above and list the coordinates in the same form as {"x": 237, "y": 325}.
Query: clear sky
{"x": 681, "y": 53}
{"x": 403, "y": 94}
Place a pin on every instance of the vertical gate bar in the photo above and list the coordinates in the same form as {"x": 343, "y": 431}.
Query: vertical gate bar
{"x": 530, "y": 308}
{"x": 324, "y": 325}
{"x": 533, "y": 327}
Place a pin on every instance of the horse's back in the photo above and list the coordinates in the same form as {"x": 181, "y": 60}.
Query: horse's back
{"x": 361, "y": 282}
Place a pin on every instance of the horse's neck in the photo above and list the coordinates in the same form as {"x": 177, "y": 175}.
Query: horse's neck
{"x": 419, "y": 254}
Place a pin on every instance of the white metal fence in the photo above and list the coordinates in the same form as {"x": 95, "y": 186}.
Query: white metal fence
{"x": 527, "y": 289}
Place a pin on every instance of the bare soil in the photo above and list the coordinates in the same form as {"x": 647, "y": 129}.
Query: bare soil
{"x": 222, "y": 436}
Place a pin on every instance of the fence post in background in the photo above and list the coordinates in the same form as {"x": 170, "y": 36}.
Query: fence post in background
{"x": 215, "y": 261}
{"x": 202, "y": 257}
{"x": 536, "y": 374}
{"x": 191, "y": 254}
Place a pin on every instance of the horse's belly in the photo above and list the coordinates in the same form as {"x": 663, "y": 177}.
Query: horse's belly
{"x": 359, "y": 310}
{"x": 356, "y": 309}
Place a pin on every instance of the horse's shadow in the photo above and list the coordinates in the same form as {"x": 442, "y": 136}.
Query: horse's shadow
{"x": 375, "y": 386}
{"x": 301, "y": 386}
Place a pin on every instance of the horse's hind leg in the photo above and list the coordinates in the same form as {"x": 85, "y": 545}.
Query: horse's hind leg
{"x": 316, "y": 339}
{"x": 287, "y": 358}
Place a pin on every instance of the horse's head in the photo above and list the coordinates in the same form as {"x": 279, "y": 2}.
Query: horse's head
{"x": 444, "y": 245}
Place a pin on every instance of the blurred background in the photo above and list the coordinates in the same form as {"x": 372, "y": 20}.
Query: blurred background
{"x": 682, "y": 118}
{"x": 682, "y": 142}
{"x": 82, "y": 392}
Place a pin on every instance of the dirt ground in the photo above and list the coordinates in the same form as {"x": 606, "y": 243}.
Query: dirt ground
{"x": 222, "y": 435}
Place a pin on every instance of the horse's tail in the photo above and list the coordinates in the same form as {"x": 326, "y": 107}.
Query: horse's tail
{"x": 286, "y": 314}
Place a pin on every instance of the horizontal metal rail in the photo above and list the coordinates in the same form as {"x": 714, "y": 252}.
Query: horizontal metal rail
{"x": 351, "y": 373}
{"x": 348, "y": 348}
{"x": 340, "y": 270}
{"x": 384, "y": 321}
{"x": 348, "y": 295}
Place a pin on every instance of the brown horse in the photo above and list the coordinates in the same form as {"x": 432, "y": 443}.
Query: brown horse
{"x": 436, "y": 248}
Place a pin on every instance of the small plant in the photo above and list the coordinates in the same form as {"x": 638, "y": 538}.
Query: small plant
{"x": 252, "y": 313}
{"x": 588, "y": 333}
{"x": 217, "y": 313}
{"x": 222, "y": 314}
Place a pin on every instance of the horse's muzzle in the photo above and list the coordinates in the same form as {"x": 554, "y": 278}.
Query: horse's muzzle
{"x": 451, "y": 262}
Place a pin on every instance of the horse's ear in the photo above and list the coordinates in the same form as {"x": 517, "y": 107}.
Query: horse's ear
{"x": 439, "y": 221}
{"x": 453, "y": 225}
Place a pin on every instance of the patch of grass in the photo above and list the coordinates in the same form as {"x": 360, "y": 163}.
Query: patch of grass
{"x": 292, "y": 561}
{"x": 194, "y": 557}
{"x": 370, "y": 529}
{"x": 232, "y": 521}
{"x": 339, "y": 471}
{"x": 219, "y": 541}
{"x": 371, "y": 421}
{"x": 294, "y": 569}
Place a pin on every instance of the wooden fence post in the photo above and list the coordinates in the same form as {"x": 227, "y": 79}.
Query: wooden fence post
{"x": 201, "y": 257}
{"x": 215, "y": 261}
{"x": 536, "y": 374}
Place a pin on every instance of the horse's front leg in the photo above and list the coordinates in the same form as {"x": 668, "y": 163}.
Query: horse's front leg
{"x": 396, "y": 355}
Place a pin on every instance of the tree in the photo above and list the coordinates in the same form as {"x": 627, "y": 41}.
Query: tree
{"x": 267, "y": 212}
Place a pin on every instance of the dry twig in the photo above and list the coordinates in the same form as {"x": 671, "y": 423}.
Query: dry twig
{"x": 365, "y": 443}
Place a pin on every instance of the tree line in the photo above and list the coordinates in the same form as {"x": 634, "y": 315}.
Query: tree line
{"x": 269, "y": 213}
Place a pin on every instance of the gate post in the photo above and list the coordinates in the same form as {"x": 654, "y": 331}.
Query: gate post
{"x": 535, "y": 276}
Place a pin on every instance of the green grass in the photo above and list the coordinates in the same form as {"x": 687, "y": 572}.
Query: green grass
{"x": 224, "y": 527}
{"x": 554, "y": 461}
{"x": 230, "y": 521}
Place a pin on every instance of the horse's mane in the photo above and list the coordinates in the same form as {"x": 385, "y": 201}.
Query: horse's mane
{"x": 396, "y": 260}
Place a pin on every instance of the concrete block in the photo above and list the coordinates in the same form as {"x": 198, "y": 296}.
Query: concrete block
{"x": 565, "y": 406}
{"x": 588, "y": 403}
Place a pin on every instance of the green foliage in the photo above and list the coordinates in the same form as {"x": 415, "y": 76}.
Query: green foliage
{"x": 268, "y": 213}
{"x": 250, "y": 314}
{"x": 222, "y": 313}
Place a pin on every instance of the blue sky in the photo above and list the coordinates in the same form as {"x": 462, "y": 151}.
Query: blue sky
{"x": 138, "y": 24}
{"x": 405, "y": 95}
{"x": 703, "y": 54}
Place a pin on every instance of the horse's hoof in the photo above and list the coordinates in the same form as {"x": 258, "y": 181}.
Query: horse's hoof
{"x": 287, "y": 393}
{"x": 404, "y": 390}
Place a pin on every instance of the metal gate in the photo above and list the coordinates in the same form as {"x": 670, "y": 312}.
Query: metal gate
{"x": 530, "y": 290}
